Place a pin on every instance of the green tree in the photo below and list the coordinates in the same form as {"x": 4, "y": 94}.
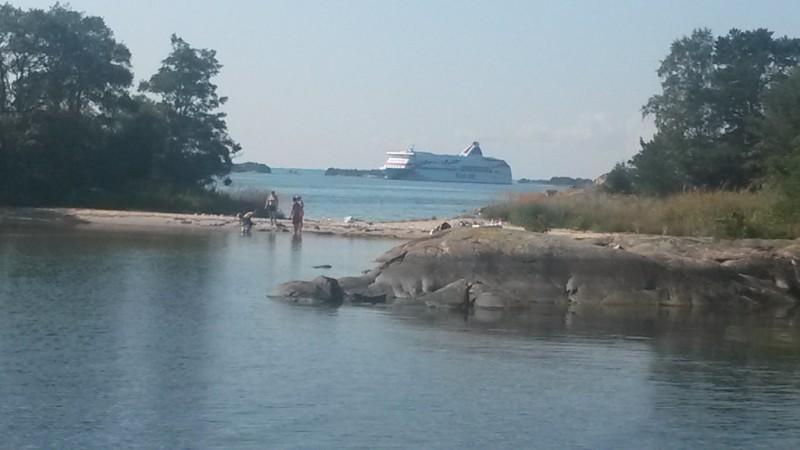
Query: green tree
{"x": 199, "y": 146}
{"x": 62, "y": 78}
{"x": 708, "y": 113}
{"x": 684, "y": 106}
{"x": 747, "y": 63}
{"x": 683, "y": 115}
{"x": 656, "y": 169}
{"x": 780, "y": 139}
{"x": 60, "y": 59}
{"x": 619, "y": 180}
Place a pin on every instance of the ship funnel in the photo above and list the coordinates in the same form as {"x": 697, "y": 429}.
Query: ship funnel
{"x": 473, "y": 150}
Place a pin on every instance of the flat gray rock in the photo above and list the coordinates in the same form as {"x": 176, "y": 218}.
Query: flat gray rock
{"x": 506, "y": 269}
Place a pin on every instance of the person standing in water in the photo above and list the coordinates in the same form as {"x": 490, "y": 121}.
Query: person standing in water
{"x": 297, "y": 214}
{"x": 272, "y": 208}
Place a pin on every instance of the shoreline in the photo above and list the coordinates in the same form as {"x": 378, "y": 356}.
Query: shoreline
{"x": 690, "y": 249}
{"x": 158, "y": 222}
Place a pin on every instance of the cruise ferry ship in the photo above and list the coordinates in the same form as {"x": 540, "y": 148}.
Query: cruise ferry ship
{"x": 470, "y": 166}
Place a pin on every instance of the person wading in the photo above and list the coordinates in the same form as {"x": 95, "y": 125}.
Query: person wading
{"x": 297, "y": 214}
{"x": 272, "y": 208}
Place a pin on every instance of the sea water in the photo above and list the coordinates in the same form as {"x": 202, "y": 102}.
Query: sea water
{"x": 126, "y": 340}
{"x": 374, "y": 198}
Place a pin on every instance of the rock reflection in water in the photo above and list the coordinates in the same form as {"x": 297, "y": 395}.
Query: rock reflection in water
{"x": 705, "y": 327}
{"x": 117, "y": 340}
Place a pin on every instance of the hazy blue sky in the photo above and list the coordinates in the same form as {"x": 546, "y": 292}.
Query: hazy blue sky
{"x": 554, "y": 87}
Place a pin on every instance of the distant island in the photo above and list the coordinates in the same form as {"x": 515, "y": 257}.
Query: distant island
{"x": 332, "y": 171}
{"x": 251, "y": 167}
{"x": 558, "y": 181}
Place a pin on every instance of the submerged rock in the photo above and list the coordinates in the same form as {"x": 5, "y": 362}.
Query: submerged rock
{"x": 319, "y": 291}
{"x": 506, "y": 269}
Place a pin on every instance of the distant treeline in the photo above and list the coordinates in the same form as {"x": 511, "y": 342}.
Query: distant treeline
{"x": 251, "y": 167}
{"x": 73, "y": 127}
{"x": 558, "y": 181}
{"x": 332, "y": 171}
{"x": 727, "y": 117}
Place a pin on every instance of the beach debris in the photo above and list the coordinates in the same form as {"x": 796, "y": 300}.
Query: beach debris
{"x": 349, "y": 219}
{"x": 441, "y": 227}
{"x": 322, "y": 266}
{"x": 490, "y": 224}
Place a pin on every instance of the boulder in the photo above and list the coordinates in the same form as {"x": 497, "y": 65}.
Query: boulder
{"x": 319, "y": 291}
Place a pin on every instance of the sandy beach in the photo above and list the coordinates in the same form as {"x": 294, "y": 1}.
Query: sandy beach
{"x": 173, "y": 222}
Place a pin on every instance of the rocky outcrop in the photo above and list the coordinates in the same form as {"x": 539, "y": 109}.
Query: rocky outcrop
{"x": 251, "y": 167}
{"x": 319, "y": 291}
{"x": 505, "y": 269}
{"x": 333, "y": 171}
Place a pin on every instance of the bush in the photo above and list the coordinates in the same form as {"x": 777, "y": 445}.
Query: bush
{"x": 164, "y": 198}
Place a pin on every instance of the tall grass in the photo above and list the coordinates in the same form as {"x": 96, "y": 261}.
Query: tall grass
{"x": 717, "y": 214}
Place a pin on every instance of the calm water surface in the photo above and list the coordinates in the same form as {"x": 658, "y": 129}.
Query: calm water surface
{"x": 135, "y": 340}
{"x": 337, "y": 197}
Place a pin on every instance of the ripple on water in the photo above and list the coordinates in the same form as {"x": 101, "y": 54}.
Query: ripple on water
{"x": 113, "y": 339}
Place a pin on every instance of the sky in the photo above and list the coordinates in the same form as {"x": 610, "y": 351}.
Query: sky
{"x": 553, "y": 87}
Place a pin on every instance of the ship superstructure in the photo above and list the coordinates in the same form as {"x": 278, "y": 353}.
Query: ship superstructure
{"x": 469, "y": 166}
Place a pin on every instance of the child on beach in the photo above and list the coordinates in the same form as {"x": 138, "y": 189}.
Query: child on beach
{"x": 246, "y": 221}
{"x": 297, "y": 214}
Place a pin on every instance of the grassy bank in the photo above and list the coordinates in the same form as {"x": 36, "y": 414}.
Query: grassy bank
{"x": 718, "y": 214}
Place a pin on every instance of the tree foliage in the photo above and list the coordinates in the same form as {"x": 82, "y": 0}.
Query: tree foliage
{"x": 70, "y": 125}
{"x": 710, "y": 110}
{"x": 780, "y": 138}
{"x": 619, "y": 180}
{"x": 199, "y": 146}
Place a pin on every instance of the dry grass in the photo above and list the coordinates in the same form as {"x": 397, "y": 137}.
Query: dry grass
{"x": 719, "y": 214}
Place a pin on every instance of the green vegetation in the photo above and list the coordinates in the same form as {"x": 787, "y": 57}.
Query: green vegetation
{"x": 725, "y": 158}
{"x": 727, "y": 116}
{"x": 164, "y": 198}
{"x": 721, "y": 214}
{"x": 73, "y": 132}
{"x": 333, "y": 171}
{"x": 251, "y": 167}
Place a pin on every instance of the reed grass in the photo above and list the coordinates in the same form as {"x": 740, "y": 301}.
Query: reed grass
{"x": 718, "y": 214}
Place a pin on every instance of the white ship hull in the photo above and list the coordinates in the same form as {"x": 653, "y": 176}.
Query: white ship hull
{"x": 468, "y": 167}
{"x": 454, "y": 176}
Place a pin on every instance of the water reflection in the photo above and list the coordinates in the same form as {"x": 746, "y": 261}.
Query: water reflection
{"x": 702, "y": 327}
{"x": 296, "y": 253}
{"x": 297, "y": 242}
{"x": 168, "y": 341}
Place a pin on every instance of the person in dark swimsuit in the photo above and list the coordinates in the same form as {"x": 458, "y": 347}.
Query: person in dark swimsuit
{"x": 297, "y": 214}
